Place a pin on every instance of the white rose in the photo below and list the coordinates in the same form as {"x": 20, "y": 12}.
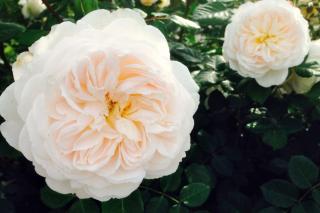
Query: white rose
{"x": 300, "y": 84}
{"x": 148, "y": 2}
{"x": 100, "y": 106}
{"x": 161, "y": 4}
{"x": 314, "y": 53}
{"x": 31, "y": 8}
{"x": 265, "y": 39}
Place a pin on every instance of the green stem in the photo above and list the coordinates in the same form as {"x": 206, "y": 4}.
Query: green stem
{"x": 160, "y": 193}
{"x": 308, "y": 192}
{"x": 157, "y": 18}
{"x": 52, "y": 11}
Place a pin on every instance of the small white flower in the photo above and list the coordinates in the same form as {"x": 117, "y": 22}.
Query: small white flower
{"x": 265, "y": 39}
{"x": 31, "y": 8}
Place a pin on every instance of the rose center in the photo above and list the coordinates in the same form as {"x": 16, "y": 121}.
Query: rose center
{"x": 116, "y": 110}
{"x": 263, "y": 39}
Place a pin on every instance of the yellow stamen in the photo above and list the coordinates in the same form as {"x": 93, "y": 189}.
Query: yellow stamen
{"x": 264, "y": 38}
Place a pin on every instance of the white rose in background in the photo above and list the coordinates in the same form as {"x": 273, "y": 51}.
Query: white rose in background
{"x": 161, "y": 3}
{"x": 148, "y": 2}
{"x": 265, "y": 39}
{"x": 300, "y": 84}
{"x": 99, "y": 106}
{"x": 31, "y": 8}
{"x": 314, "y": 53}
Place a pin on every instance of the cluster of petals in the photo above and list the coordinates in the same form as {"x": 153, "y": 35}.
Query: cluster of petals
{"x": 98, "y": 105}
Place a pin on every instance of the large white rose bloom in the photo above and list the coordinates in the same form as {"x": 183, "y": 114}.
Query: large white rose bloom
{"x": 31, "y": 8}
{"x": 265, "y": 39}
{"x": 100, "y": 106}
{"x": 300, "y": 84}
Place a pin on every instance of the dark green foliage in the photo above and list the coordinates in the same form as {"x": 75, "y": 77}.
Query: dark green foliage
{"x": 53, "y": 199}
{"x": 126, "y": 205}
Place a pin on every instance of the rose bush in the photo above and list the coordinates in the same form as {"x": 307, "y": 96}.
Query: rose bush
{"x": 98, "y": 104}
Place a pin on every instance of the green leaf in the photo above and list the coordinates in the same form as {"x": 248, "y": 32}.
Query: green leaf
{"x": 291, "y": 125}
{"x": 314, "y": 93}
{"x": 53, "y": 199}
{"x": 6, "y": 206}
{"x": 316, "y": 196}
{"x": 280, "y": 193}
{"x": 125, "y": 205}
{"x": 276, "y": 138}
{"x": 260, "y": 126}
{"x": 178, "y": 209}
{"x": 84, "y": 206}
{"x": 85, "y": 6}
{"x": 257, "y": 93}
{"x": 204, "y": 77}
{"x": 157, "y": 205}
{"x": 303, "y": 172}
{"x": 194, "y": 194}
{"x": 9, "y": 30}
{"x": 222, "y": 165}
{"x": 270, "y": 210}
{"x": 8, "y": 151}
{"x": 183, "y": 22}
{"x": 185, "y": 53}
{"x": 171, "y": 182}
{"x": 212, "y": 13}
{"x": 30, "y": 36}
{"x": 298, "y": 209}
{"x": 200, "y": 174}
{"x": 306, "y": 207}
{"x": 233, "y": 201}
{"x": 311, "y": 206}
{"x": 307, "y": 69}
{"x": 304, "y": 72}
{"x": 210, "y": 142}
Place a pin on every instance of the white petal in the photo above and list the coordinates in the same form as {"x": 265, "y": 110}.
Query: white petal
{"x": 10, "y": 131}
{"x": 182, "y": 74}
{"x": 25, "y": 143}
{"x": 101, "y": 18}
{"x": 139, "y": 32}
{"x": 314, "y": 53}
{"x": 128, "y": 128}
{"x": 127, "y": 176}
{"x": 57, "y": 33}
{"x": 8, "y": 104}
{"x": 62, "y": 187}
{"x": 273, "y": 77}
{"x": 113, "y": 191}
{"x": 165, "y": 166}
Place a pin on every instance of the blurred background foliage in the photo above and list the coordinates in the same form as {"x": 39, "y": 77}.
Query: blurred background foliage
{"x": 253, "y": 149}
